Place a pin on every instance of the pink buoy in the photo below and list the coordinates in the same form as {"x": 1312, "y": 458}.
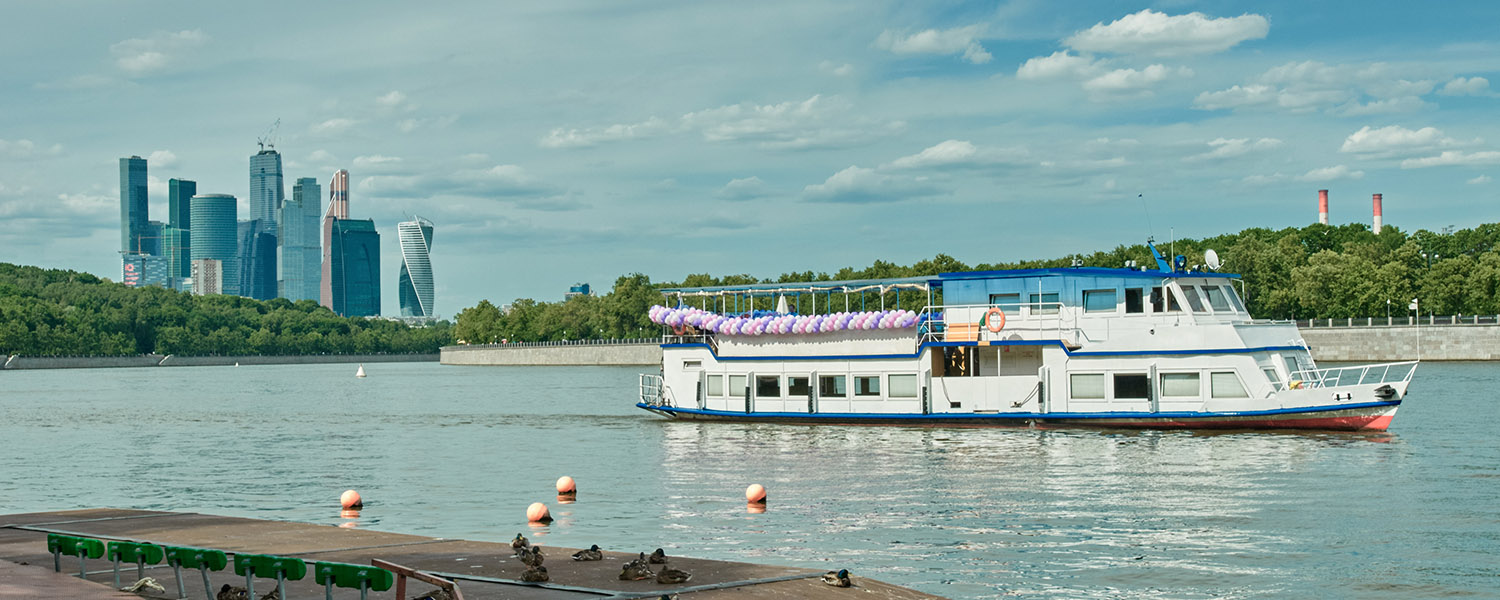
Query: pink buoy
{"x": 565, "y": 485}
{"x": 755, "y": 494}
{"x": 538, "y": 513}
{"x": 350, "y": 500}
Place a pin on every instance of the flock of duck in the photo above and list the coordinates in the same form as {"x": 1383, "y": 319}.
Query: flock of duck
{"x": 637, "y": 569}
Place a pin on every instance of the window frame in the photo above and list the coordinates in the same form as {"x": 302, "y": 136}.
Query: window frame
{"x": 806, "y": 377}
{"x": 737, "y": 391}
{"x": 1197, "y": 384}
{"x": 843, "y": 380}
{"x": 708, "y": 385}
{"x": 854, "y": 387}
{"x": 1073, "y": 386}
{"x": 890, "y": 388}
{"x": 1011, "y": 308}
{"x": 1035, "y": 300}
{"x": 1114, "y": 385}
{"x": 761, "y": 379}
{"x": 1140, "y": 301}
{"x": 1114, "y": 300}
{"x": 1209, "y": 291}
{"x": 1213, "y": 389}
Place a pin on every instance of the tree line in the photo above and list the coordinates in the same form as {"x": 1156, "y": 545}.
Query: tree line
{"x": 1317, "y": 271}
{"x": 51, "y": 312}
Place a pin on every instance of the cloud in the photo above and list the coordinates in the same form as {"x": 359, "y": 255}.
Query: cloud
{"x": 1152, "y": 33}
{"x": 958, "y": 153}
{"x": 858, "y": 185}
{"x": 1306, "y": 86}
{"x": 1236, "y": 97}
{"x": 583, "y": 138}
{"x": 816, "y": 122}
{"x": 141, "y": 56}
{"x": 333, "y": 126}
{"x": 162, "y": 158}
{"x": 1470, "y": 86}
{"x": 76, "y": 82}
{"x": 1229, "y": 148}
{"x": 1331, "y": 173}
{"x": 1059, "y": 65}
{"x": 747, "y": 188}
{"x": 410, "y": 125}
{"x": 1480, "y": 180}
{"x": 1395, "y": 140}
{"x": 1403, "y": 104}
{"x": 1130, "y": 82}
{"x": 959, "y": 40}
{"x": 377, "y": 163}
{"x": 507, "y": 181}
{"x": 1453, "y": 157}
{"x": 840, "y": 70}
{"x": 322, "y": 156}
{"x": 391, "y": 99}
{"x": 21, "y": 149}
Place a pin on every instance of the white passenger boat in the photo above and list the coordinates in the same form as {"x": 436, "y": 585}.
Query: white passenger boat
{"x": 1159, "y": 348}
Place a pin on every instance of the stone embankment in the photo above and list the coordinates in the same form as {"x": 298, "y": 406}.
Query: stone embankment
{"x": 557, "y": 354}
{"x": 158, "y": 360}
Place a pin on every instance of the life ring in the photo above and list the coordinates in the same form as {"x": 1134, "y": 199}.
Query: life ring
{"x": 679, "y": 329}
{"x": 990, "y": 322}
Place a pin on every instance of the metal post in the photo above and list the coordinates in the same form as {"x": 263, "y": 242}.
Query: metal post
{"x": 280, "y": 585}
{"x": 208, "y": 591}
{"x": 117, "y": 571}
{"x": 249, "y": 582}
{"x": 328, "y": 589}
{"x": 364, "y": 589}
{"x": 56, "y": 561}
{"x": 140, "y": 567}
{"x": 177, "y": 570}
{"x": 82, "y": 572}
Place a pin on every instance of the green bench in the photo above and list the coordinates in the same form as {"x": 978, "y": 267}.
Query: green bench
{"x": 203, "y": 559}
{"x": 361, "y": 577}
{"x": 283, "y": 568}
{"x": 140, "y": 554}
{"x": 72, "y": 545}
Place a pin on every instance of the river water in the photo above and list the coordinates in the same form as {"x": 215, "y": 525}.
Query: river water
{"x": 964, "y": 513}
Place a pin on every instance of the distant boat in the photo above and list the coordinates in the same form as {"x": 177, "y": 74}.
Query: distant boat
{"x": 360, "y": 372}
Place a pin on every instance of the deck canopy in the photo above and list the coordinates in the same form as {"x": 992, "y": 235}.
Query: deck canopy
{"x": 850, "y": 286}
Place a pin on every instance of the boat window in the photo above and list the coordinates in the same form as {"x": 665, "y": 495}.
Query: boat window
{"x": 1086, "y": 386}
{"x": 832, "y": 386}
{"x": 866, "y": 386}
{"x": 1273, "y": 378}
{"x": 797, "y": 387}
{"x": 767, "y": 386}
{"x": 1181, "y": 385}
{"x": 737, "y": 385}
{"x": 1099, "y": 300}
{"x": 903, "y": 386}
{"x": 1044, "y": 303}
{"x": 1235, "y": 299}
{"x": 716, "y": 385}
{"x": 1225, "y": 384}
{"x": 1132, "y": 386}
{"x": 1291, "y": 365}
{"x": 1160, "y": 296}
{"x": 1193, "y": 299}
{"x": 1134, "y": 303}
{"x": 692, "y": 364}
{"x": 1216, "y": 298}
{"x": 1010, "y": 304}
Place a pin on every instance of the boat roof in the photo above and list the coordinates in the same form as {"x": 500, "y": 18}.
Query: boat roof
{"x": 933, "y": 281}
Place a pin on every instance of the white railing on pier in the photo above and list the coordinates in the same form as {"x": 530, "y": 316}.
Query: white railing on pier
{"x": 1023, "y": 320}
{"x": 1355, "y": 375}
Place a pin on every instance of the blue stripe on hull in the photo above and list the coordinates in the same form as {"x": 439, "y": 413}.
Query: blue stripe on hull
{"x": 1004, "y": 418}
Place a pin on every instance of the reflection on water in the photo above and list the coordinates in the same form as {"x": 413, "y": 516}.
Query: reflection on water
{"x": 461, "y": 452}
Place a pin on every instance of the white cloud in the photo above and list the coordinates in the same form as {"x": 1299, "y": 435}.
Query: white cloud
{"x": 1263, "y": 179}
{"x": 89, "y": 204}
{"x": 959, "y": 40}
{"x": 841, "y": 70}
{"x": 1331, "y": 173}
{"x": 140, "y": 56}
{"x": 391, "y": 99}
{"x": 861, "y": 185}
{"x": 27, "y": 149}
{"x": 508, "y": 181}
{"x": 957, "y": 153}
{"x": 376, "y": 162}
{"x": 1403, "y": 104}
{"x": 1131, "y": 81}
{"x": 332, "y": 126}
{"x": 1158, "y": 34}
{"x": 1306, "y": 86}
{"x": 1395, "y": 140}
{"x": 1059, "y": 65}
{"x": 1229, "y": 148}
{"x": 1462, "y": 86}
{"x": 1480, "y": 180}
{"x": 1236, "y": 97}
{"x": 76, "y": 82}
{"x": 321, "y": 155}
{"x": 162, "y": 158}
{"x": 583, "y": 138}
{"x": 814, "y": 122}
{"x": 747, "y": 188}
{"x": 1453, "y": 157}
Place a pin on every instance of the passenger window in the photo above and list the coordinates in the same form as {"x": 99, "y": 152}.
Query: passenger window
{"x": 1099, "y": 301}
{"x": 1132, "y": 386}
{"x": 1234, "y": 299}
{"x": 867, "y": 386}
{"x": 1216, "y": 298}
{"x": 1273, "y": 378}
{"x": 1133, "y": 301}
{"x": 903, "y": 386}
{"x": 767, "y": 386}
{"x": 1163, "y": 300}
{"x": 1086, "y": 386}
{"x": 1225, "y": 384}
{"x": 797, "y": 387}
{"x": 1044, "y": 303}
{"x": 716, "y": 385}
{"x": 1180, "y": 385}
{"x": 1193, "y": 299}
{"x": 1010, "y": 304}
{"x": 737, "y": 385}
{"x": 832, "y": 386}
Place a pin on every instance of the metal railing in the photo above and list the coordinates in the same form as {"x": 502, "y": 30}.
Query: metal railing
{"x": 1355, "y": 375}
{"x": 1405, "y": 321}
{"x": 1029, "y": 320}
{"x": 651, "y": 390}
{"x": 652, "y": 341}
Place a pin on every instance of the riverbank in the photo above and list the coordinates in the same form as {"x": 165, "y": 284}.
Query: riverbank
{"x": 583, "y": 353}
{"x": 156, "y": 360}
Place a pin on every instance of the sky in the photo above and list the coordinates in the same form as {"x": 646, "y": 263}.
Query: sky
{"x": 559, "y": 142}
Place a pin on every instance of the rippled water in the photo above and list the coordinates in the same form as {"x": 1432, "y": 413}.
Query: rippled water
{"x": 965, "y": 513}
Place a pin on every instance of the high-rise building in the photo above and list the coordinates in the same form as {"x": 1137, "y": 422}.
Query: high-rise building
{"x": 214, "y": 228}
{"x": 298, "y": 253}
{"x": 178, "y": 244}
{"x": 176, "y": 248}
{"x": 355, "y": 271}
{"x": 266, "y": 189}
{"x": 415, "y": 287}
{"x": 150, "y": 240}
{"x": 338, "y": 208}
{"x": 208, "y": 277}
{"x": 256, "y": 249}
{"x": 132, "y": 203}
{"x": 180, "y": 194}
{"x": 137, "y": 270}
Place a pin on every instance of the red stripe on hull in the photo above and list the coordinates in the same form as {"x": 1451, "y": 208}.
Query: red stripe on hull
{"x": 1347, "y": 423}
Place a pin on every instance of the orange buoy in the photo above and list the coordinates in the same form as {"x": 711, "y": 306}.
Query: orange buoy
{"x": 566, "y": 486}
{"x": 351, "y": 500}
{"x": 756, "y": 508}
{"x": 349, "y": 514}
{"x": 756, "y": 493}
{"x": 538, "y": 513}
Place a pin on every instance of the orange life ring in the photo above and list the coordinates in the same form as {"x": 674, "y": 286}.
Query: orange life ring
{"x": 679, "y": 329}
{"x": 989, "y": 318}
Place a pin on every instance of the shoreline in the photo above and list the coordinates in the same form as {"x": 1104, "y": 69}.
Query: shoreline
{"x": 19, "y": 362}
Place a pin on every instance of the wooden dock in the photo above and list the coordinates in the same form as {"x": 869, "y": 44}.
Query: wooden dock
{"x": 481, "y": 569}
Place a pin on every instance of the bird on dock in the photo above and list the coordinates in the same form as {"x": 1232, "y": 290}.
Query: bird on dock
{"x": 670, "y": 575}
{"x": 148, "y": 583}
{"x": 591, "y": 553}
{"x": 271, "y": 595}
{"x": 838, "y": 579}
{"x": 519, "y": 543}
{"x": 533, "y": 558}
{"x": 437, "y": 594}
{"x": 658, "y": 558}
{"x": 232, "y": 592}
{"x": 637, "y": 570}
{"x": 535, "y": 574}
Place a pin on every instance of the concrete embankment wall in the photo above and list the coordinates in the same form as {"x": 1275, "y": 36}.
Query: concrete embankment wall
{"x": 523, "y": 355}
{"x": 156, "y": 360}
{"x": 1381, "y": 344}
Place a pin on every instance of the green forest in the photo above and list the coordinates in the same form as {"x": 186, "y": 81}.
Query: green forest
{"x": 50, "y": 312}
{"x": 1317, "y": 271}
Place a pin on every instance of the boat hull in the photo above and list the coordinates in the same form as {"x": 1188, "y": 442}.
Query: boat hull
{"x": 1372, "y": 416}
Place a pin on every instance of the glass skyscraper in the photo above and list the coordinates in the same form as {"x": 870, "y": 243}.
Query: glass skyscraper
{"x": 355, "y": 281}
{"x": 299, "y": 254}
{"x": 214, "y": 229}
{"x": 414, "y": 289}
{"x": 338, "y": 208}
{"x": 176, "y": 242}
{"x": 257, "y": 254}
{"x": 266, "y": 189}
{"x": 133, "y": 219}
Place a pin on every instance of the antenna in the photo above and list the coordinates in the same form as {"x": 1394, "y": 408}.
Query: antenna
{"x": 1211, "y": 259}
{"x": 269, "y": 139}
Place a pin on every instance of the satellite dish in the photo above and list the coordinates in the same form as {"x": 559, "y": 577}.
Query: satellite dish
{"x": 1211, "y": 258}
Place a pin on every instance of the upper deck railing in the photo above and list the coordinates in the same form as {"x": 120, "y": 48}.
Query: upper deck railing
{"x": 1355, "y": 375}
{"x": 973, "y": 323}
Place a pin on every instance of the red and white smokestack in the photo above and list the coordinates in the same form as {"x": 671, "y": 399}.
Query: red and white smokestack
{"x": 1376, "y": 201}
{"x": 1323, "y": 206}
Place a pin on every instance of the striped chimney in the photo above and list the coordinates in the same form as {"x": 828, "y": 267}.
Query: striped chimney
{"x": 1376, "y": 201}
{"x": 1323, "y": 206}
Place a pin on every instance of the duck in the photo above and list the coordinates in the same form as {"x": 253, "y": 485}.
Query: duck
{"x": 146, "y": 583}
{"x": 658, "y": 558}
{"x": 591, "y": 553}
{"x": 670, "y": 575}
{"x": 535, "y": 574}
{"x": 533, "y": 558}
{"x": 838, "y": 579}
{"x": 637, "y": 570}
{"x": 519, "y": 543}
{"x": 232, "y": 592}
{"x": 437, "y": 594}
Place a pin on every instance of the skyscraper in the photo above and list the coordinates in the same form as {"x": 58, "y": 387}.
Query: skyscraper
{"x": 354, "y": 284}
{"x": 266, "y": 189}
{"x": 176, "y": 242}
{"x": 338, "y": 208}
{"x": 180, "y": 194}
{"x": 298, "y": 252}
{"x": 213, "y": 228}
{"x": 256, "y": 249}
{"x": 415, "y": 286}
{"x": 132, "y": 203}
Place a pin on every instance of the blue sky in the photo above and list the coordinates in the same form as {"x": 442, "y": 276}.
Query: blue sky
{"x": 560, "y": 141}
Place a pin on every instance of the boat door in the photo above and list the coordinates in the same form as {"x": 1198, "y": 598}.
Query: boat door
{"x": 1153, "y": 394}
{"x": 750, "y": 392}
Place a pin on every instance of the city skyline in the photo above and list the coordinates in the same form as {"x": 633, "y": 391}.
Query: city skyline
{"x": 671, "y": 139}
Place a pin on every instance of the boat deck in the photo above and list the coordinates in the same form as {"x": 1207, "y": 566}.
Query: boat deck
{"x": 481, "y": 569}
